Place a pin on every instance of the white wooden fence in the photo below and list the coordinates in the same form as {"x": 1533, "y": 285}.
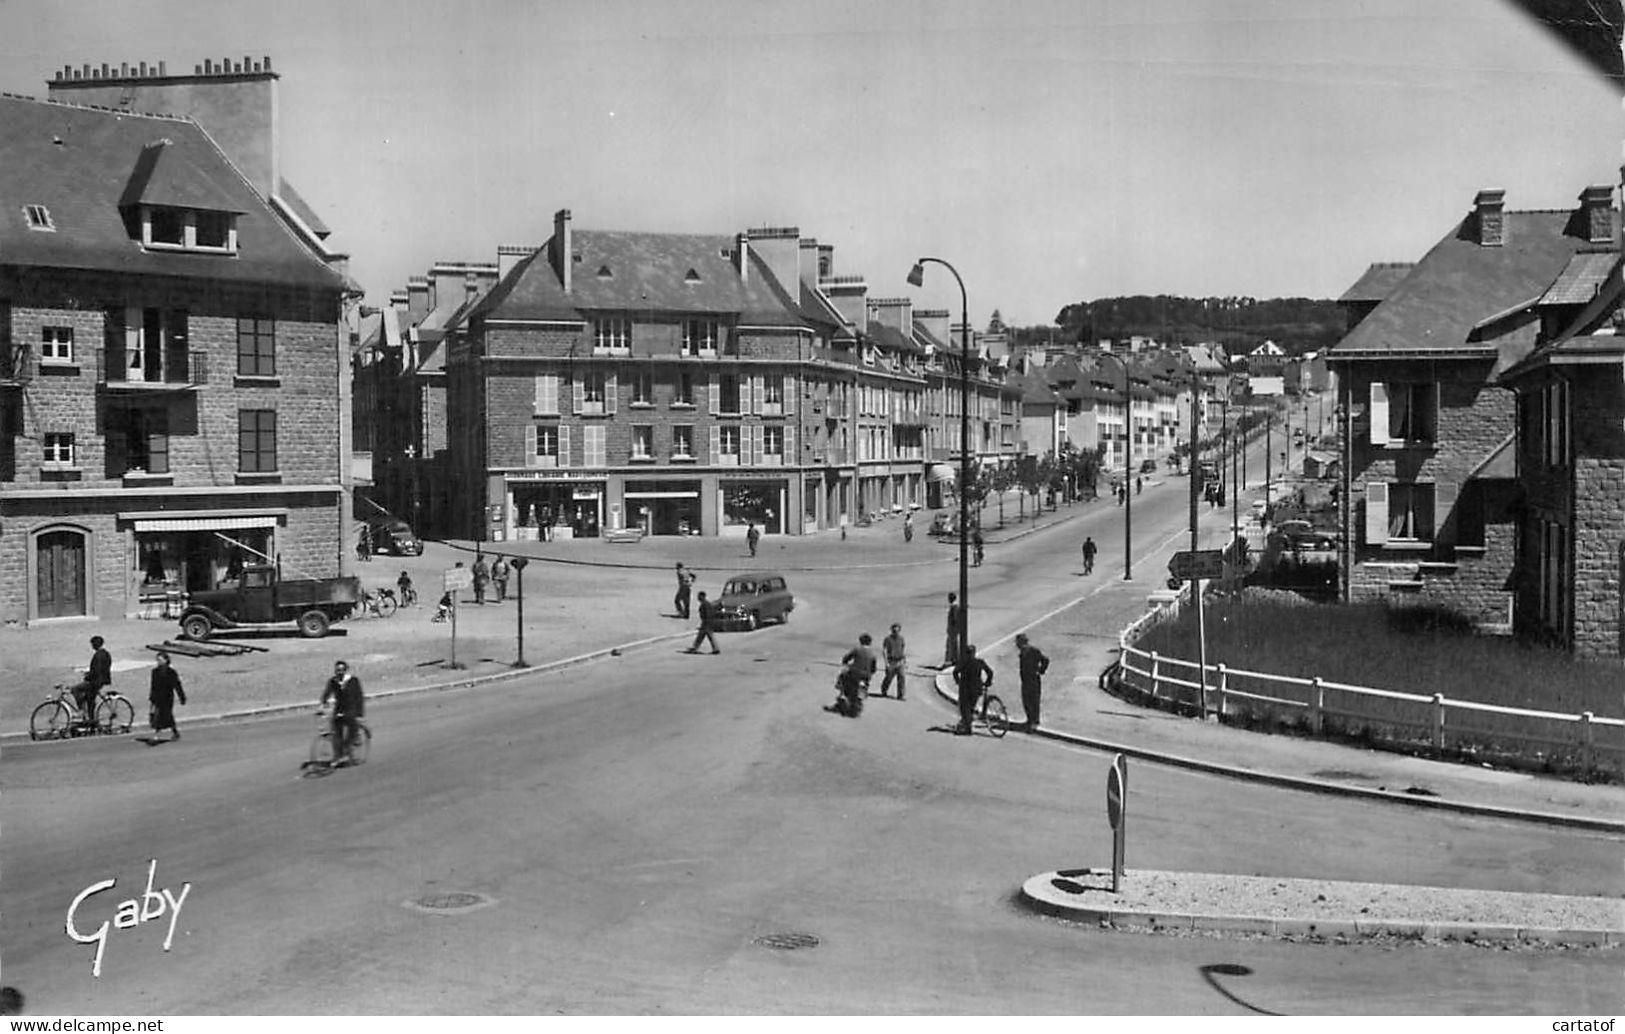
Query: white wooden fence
{"x": 1446, "y": 725}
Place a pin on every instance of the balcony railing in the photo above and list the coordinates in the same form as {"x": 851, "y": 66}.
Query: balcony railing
{"x": 178, "y": 370}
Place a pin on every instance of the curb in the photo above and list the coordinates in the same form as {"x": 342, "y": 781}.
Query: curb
{"x": 469, "y": 682}
{"x": 942, "y": 683}
{"x": 1037, "y": 894}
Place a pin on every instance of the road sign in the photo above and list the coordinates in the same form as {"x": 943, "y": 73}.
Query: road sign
{"x": 1200, "y": 563}
{"x": 459, "y": 578}
{"x": 1114, "y": 795}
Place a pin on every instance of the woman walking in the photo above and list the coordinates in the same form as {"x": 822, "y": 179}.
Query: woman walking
{"x": 166, "y": 689}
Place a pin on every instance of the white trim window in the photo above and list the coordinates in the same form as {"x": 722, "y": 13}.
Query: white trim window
{"x": 643, "y": 442}
{"x": 773, "y": 394}
{"x": 612, "y": 335}
{"x": 683, "y": 389}
{"x": 1399, "y": 511}
{"x": 700, "y": 337}
{"x": 728, "y": 445}
{"x": 643, "y": 387}
{"x": 592, "y": 445}
{"x": 682, "y": 441}
{"x": 772, "y": 445}
{"x": 594, "y": 389}
{"x": 39, "y": 218}
{"x": 57, "y": 449}
{"x": 188, "y": 229}
{"x": 1403, "y": 412}
{"x": 544, "y": 446}
{"x": 56, "y": 345}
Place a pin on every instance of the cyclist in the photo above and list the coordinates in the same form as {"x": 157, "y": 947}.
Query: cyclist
{"x": 976, "y": 543}
{"x": 348, "y": 705}
{"x": 974, "y": 678}
{"x": 857, "y": 668}
{"x": 98, "y": 676}
{"x": 409, "y": 595}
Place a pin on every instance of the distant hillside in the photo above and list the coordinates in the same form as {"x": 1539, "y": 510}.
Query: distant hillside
{"x": 1296, "y": 324}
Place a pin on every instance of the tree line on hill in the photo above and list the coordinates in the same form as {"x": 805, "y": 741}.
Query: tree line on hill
{"x": 1240, "y": 324}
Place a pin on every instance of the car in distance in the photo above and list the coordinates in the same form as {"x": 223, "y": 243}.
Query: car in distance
{"x": 1148, "y": 466}
{"x": 749, "y": 600}
{"x": 395, "y": 537}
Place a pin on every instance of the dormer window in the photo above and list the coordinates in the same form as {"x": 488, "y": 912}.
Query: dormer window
{"x": 39, "y": 218}
{"x": 188, "y": 229}
{"x": 691, "y": 277}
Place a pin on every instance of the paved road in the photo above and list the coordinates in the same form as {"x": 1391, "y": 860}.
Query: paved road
{"x": 637, "y": 825}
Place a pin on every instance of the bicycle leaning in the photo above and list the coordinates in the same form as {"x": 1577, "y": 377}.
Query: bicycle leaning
{"x": 59, "y": 717}
{"x": 378, "y": 602}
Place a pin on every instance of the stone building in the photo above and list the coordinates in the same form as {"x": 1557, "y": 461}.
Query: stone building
{"x": 1570, "y": 578}
{"x": 171, "y": 373}
{"x": 1428, "y": 491}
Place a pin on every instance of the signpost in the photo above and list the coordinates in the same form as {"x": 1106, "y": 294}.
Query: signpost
{"x": 1116, "y": 799}
{"x": 456, "y": 579}
{"x": 1191, "y": 564}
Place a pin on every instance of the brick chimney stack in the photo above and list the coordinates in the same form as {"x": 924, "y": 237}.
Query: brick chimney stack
{"x": 779, "y": 248}
{"x": 1491, "y": 220}
{"x": 1597, "y": 204}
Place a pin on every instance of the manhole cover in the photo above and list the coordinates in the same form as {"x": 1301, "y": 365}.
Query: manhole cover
{"x": 449, "y": 903}
{"x": 787, "y": 941}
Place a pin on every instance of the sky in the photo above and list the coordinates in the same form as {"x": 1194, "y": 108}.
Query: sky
{"x": 1052, "y": 152}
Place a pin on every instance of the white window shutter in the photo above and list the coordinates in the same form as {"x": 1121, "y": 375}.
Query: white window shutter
{"x": 1379, "y": 422}
{"x": 757, "y": 390}
{"x": 609, "y": 393}
{"x": 580, "y": 394}
{"x": 530, "y": 445}
{"x": 716, "y": 394}
{"x": 564, "y": 445}
{"x": 755, "y": 445}
{"x": 1376, "y": 512}
{"x": 791, "y": 457}
{"x": 715, "y": 453}
{"x": 536, "y": 395}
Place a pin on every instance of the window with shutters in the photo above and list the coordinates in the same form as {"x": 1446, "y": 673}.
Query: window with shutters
{"x": 545, "y": 448}
{"x": 592, "y": 445}
{"x": 772, "y": 445}
{"x": 594, "y": 390}
{"x": 1410, "y": 511}
{"x": 1404, "y": 412}
{"x": 728, "y": 393}
{"x": 728, "y": 445}
{"x": 773, "y": 394}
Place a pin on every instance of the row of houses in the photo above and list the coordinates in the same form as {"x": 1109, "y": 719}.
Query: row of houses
{"x": 173, "y": 344}
{"x": 1482, "y": 395}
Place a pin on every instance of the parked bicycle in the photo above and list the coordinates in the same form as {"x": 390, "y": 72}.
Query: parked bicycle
{"x": 377, "y": 602}
{"x": 324, "y": 757}
{"x": 59, "y": 717}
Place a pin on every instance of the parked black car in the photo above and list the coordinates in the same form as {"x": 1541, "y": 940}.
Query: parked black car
{"x": 395, "y": 537}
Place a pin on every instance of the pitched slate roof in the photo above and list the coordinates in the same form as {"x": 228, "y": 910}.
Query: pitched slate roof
{"x": 1594, "y": 336}
{"x": 1377, "y": 282}
{"x": 82, "y": 163}
{"x": 1034, "y": 388}
{"x": 616, "y": 271}
{"x": 1459, "y": 283}
{"x": 1581, "y": 279}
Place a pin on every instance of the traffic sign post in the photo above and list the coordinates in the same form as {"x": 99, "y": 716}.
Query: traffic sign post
{"x": 1189, "y": 564}
{"x": 456, "y": 579}
{"x": 1116, "y": 802}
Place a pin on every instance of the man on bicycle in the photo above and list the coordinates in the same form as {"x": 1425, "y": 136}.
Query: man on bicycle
{"x": 974, "y": 678}
{"x": 857, "y": 668}
{"x": 97, "y": 676}
{"x": 348, "y": 705}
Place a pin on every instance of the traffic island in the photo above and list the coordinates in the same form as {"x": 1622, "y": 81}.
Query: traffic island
{"x": 1160, "y": 901}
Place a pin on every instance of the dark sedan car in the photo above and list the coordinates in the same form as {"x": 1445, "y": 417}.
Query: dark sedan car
{"x": 748, "y": 600}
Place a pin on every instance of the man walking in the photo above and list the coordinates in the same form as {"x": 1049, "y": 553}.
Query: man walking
{"x": 685, "y": 585}
{"x": 482, "y": 574}
{"x": 1033, "y": 664}
{"x": 499, "y": 575}
{"x": 708, "y": 621}
{"x": 973, "y": 677}
{"x": 908, "y": 527}
{"x": 950, "y": 652}
{"x": 1088, "y": 555}
{"x": 896, "y": 654}
{"x": 752, "y": 537}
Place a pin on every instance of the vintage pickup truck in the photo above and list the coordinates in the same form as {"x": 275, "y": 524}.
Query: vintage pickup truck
{"x": 262, "y": 599}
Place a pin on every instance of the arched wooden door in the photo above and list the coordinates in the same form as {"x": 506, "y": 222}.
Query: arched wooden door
{"x": 60, "y": 563}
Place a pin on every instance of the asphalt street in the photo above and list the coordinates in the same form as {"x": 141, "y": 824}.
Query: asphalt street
{"x": 633, "y": 836}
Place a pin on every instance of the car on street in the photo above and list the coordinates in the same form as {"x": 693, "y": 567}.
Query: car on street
{"x": 1148, "y": 467}
{"x": 395, "y": 537}
{"x": 750, "y": 600}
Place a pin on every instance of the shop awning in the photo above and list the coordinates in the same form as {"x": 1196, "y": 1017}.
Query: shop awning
{"x": 661, "y": 495}
{"x": 941, "y": 472}
{"x": 205, "y": 523}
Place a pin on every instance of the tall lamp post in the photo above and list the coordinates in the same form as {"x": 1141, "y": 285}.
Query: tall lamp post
{"x": 916, "y": 276}
{"x": 1128, "y": 466}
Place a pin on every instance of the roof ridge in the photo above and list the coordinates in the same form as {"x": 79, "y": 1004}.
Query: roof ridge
{"x": 164, "y": 117}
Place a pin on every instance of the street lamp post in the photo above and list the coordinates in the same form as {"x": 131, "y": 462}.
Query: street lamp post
{"x": 519, "y": 563}
{"x": 1128, "y": 466}
{"x": 916, "y": 276}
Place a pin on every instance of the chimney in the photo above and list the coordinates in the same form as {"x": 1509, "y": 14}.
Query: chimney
{"x": 563, "y": 249}
{"x": 935, "y": 323}
{"x": 509, "y": 256}
{"x": 779, "y": 248}
{"x": 848, "y": 294}
{"x": 1490, "y": 218}
{"x": 417, "y": 303}
{"x": 1597, "y": 207}
{"x": 808, "y": 261}
{"x": 896, "y": 313}
{"x": 742, "y": 256}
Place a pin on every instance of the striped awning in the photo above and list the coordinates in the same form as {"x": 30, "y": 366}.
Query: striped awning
{"x": 205, "y": 523}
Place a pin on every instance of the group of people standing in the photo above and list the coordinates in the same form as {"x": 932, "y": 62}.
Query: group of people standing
{"x": 974, "y": 676}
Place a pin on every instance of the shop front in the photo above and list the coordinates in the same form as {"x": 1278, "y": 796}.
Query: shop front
{"x": 743, "y": 502}
{"x": 197, "y": 554}
{"x": 670, "y": 507}
{"x": 554, "y": 508}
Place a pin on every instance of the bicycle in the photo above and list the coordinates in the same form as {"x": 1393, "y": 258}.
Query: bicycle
{"x": 59, "y": 717}
{"x": 409, "y": 596}
{"x": 993, "y": 717}
{"x": 379, "y": 602}
{"x": 322, "y": 754}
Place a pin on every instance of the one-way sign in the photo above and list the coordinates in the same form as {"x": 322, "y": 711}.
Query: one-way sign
{"x": 1202, "y": 563}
